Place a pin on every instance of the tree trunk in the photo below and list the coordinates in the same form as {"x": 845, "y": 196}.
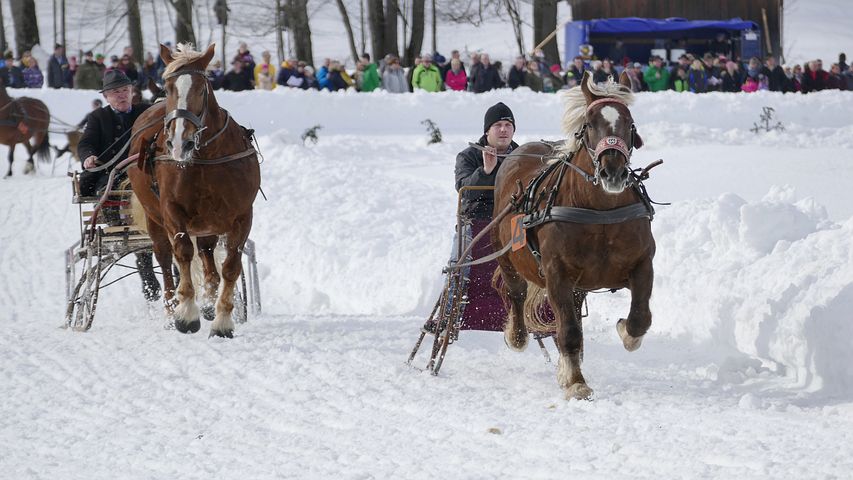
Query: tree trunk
{"x": 184, "y": 32}
{"x": 376, "y": 19}
{"x": 434, "y": 28}
{"x": 348, "y": 26}
{"x": 545, "y": 22}
{"x": 515, "y": 17}
{"x": 297, "y": 18}
{"x": 390, "y": 43}
{"x": 3, "y": 45}
{"x": 26, "y": 26}
{"x": 279, "y": 29}
{"x": 134, "y": 29}
{"x": 416, "y": 42}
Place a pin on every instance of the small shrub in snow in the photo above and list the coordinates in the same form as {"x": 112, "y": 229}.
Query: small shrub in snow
{"x": 766, "y": 118}
{"x": 311, "y": 134}
{"x": 433, "y": 131}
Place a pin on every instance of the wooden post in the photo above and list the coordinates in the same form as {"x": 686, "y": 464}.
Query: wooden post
{"x": 766, "y": 32}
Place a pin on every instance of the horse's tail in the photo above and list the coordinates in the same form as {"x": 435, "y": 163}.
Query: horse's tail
{"x": 534, "y": 317}
{"x": 138, "y": 214}
{"x": 43, "y": 148}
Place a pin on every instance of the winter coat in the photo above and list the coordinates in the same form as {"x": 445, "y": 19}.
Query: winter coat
{"x": 236, "y": 82}
{"x": 394, "y": 80}
{"x": 835, "y": 82}
{"x": 323, "y": 77}
{"x": 456, "y": 81}
{"x": 88, "y": 76}
{"x": 777, "y": 78}
{"x": 469, "y": 172}
{"x": 487, "y": 79}
{"x": 370, "y": 79}
{"x": 651, "y": 77}
{"x": 697, "y": 80}
{"x": 680, "y": 85}
{"x": 750, "y": 85}
{"x": 516, "y": 77}
{"x": 599, "y": 76}
{"x": 257, "y": 73}
{"x": 731, "y": 83}
{"x": 472, "y": 75}
{"x": 336, "y": 81}
{"x": 56, "y": 68}
{"x": 33, "y": 77}
{"x": 104, "y": 127}
{"x": 263, "y": 81}
{"x": 534, "y": 82}
{"x": 426, "y": 79}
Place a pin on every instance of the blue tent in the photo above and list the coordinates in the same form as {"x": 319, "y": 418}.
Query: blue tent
{"x": 610, "y": 29}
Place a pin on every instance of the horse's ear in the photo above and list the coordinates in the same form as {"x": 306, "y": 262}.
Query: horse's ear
{"x": 637, "y": 140}
{"x": 625, "y": 80}
{"x": 585, "y": 81}
{"x": 208, "y": 56}
{"x": 166, "y": 54}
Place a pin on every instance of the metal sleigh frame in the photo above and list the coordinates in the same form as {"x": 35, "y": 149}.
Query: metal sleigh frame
{"x": 102, "y": 245}
{"x": 448, "y": 321}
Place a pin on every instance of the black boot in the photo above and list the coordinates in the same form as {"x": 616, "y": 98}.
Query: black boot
{"x": 150, "y": 285}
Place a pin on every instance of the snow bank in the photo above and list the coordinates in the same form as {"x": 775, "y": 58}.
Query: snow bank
{"x": 772, "y": 279}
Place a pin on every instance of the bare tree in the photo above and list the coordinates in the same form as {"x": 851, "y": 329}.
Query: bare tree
{"x": 544, "y": 23}
{"x": 3, "y": 44}
{"x": 416, "y": 41}
{"x": 512, "y": 8}
{"x": 392, "y": 8}
{"x": 297, "y": 21}
{"x": 134, "y": 30}
{"x": 348, "y": 26}
{"x": 26, "y": 25}
{"x": 184, "y": 31}
{"x": 376, "y": 20}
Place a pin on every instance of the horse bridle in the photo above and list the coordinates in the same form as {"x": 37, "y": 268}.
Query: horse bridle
{"x": 197, "y": 121}
{"x": 610, "y": 142}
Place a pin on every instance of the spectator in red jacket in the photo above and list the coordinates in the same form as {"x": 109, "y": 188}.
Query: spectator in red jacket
{"x": 456, "y": 78}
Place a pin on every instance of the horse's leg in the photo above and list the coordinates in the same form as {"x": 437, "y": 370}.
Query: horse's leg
{"x": 30, "y": 167}
{"x": 223, "y": 325}
{"x": 639, "y": 320}
{"x": 163, "y": 251}
{"x": 187, "y": 312}
{"x": 206, "y": 246}
{"x": 515, "y": 288}
{"x": 11, "y": 159}
{"x": 569, "y": 339}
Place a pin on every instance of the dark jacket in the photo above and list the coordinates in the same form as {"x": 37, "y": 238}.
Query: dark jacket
{"x": 487, "y": 79}
{"x": 236, "y": 82}
{"x": 777, "y": 81}
{"x": 469, "y": 172}
{"x": 516, "y": 77}
{"x": 106, "y": 133}
{"x": 56, "y": 68}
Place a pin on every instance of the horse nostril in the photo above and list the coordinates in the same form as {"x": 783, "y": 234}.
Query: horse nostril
{"x": 169, "y": 144}
{"x": 604, "y": 174}
{"x": 188, "y": 145}
{"x": 624, "y": 175}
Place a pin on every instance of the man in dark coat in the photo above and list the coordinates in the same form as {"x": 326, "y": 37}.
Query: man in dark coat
{"x": 517, "y": 73}
{"x": 57, "y": 65}
{"x": 479, "y": 168}
{"x": 107, "y": 130}
{"x": 487, "y": 76}
{"x": 777, "y": 81}
{"x": 237, "y": 79}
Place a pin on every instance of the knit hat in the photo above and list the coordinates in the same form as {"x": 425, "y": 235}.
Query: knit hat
{"x": 495, "y": 114}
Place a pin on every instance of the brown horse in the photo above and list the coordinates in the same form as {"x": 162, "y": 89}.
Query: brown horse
{"x": 575, "y": 254}
{"x": 197, "y": 178}
{"x": 22, "y": 119}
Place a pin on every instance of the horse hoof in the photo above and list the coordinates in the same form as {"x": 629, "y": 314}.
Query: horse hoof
{"x": 631, "y": 343}
{"x": 515, "y": 344}
{"x": 185, "y": 326}
{"x": 208, "y": 312}
{"x": 579, "y": 391}
{"x": 221, "y": 333}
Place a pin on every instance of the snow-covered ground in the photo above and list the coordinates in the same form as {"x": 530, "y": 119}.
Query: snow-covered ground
{"x": 746, "y": 371}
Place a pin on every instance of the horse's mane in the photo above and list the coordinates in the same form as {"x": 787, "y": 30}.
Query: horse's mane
{"x": 182, "y": 56}
{"x": 574, "y": 115}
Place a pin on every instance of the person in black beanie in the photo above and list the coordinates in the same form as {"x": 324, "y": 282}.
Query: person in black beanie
{"x": 476, "y": 167}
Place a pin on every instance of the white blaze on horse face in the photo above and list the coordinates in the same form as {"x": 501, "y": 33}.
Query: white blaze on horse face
{"x": 183, "y": 84}
{"x": 612, "y": 116}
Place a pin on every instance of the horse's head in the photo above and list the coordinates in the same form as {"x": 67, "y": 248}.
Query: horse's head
{"x": 609, "y": 134}
{"x": 187, "y": 92}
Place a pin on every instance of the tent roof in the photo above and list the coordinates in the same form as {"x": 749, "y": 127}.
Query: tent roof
{"x": 664, "y": 27}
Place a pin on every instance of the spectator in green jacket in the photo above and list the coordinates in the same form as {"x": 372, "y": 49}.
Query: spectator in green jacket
{"x": 426, "y": 75}
{"x": 370, "y": 77}
{"x": 88, "y": 76}
{"x": 656, "y": 77}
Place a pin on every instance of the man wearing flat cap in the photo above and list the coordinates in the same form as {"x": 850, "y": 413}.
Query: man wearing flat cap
{"x": 476, "y": 167}
{"x": 107, "y": 131}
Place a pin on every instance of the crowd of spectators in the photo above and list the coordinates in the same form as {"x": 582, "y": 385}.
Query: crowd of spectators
{"x": 716, "y": 70}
